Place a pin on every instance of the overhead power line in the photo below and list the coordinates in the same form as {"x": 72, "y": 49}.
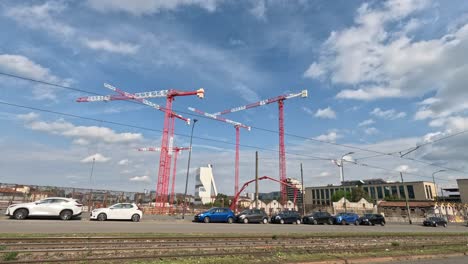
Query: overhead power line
{"x": 379, "y": 153}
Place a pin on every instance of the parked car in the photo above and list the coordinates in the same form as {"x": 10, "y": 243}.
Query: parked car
{"x": 65, "y": 208}
{"x": 346, "y": 219}
{"x": 252, "y": 216}
{"x": 318, "y": 218}
{"x": 286, "y": 217}
{"x": 215, "y": 215}
{"x": 372, "y": 219}
{"x": 435, "y": 221}
{"x": 120, "y": 211}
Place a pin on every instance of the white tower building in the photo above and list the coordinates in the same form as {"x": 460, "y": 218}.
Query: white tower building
{"x": 205, "y": 186}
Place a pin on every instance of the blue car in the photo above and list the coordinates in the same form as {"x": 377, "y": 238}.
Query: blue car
{"x": 346, "y": 219}
{"x": 224, "y": 215}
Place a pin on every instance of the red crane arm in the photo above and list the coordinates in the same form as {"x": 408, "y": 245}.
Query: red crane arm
{"x": 236, "y": 197}
{"x": 303, "y": 93}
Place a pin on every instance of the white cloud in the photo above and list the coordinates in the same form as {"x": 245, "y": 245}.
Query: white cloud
{"x": 331, "y": 136}
{"x": 41, "y": 17}
{"x": 96, "y": 157}
{"x": 390, "y": 114}
{"x": 259, "y": 10}
{"x": 371, "y": 131}
{"x": 148, "y": 7}
{"x": 106, "y": 45}
{"x": 81, "y": 134}
{"x": 377, "y": 57}
{"x": 248, "y": 94}
{"x": 366, "y": 123}
{"x": 144, "y": 178}
{"x": 326, "y": 113}
{"x": 123, "y": 162}
{"x": 406, "y": 168}
{"x": 23, "y": 66}
{"x": 324, "y": 174}
{"x": 28, "y": 117}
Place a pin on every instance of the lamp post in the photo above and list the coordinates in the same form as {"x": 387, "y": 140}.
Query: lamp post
{"x": 340, "y": 164}
{"x": 406, "y": 198}
{"x": 188, "y": 169}
{"x": 433, "y": 181}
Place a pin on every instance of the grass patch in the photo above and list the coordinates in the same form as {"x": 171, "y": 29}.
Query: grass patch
{"x": 10, "y": 256}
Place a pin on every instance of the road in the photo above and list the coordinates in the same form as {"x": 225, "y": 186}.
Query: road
{"x": 436, "y": 260}
{"x": 49, "y": 226}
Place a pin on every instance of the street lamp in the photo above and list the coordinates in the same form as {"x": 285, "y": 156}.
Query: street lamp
{"x": 433, "y": 181}
{"x": 340, "y": 164}
{"x": 188, "y": 168}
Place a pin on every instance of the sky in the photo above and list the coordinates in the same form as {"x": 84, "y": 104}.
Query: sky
{"x": 383, "y": 78}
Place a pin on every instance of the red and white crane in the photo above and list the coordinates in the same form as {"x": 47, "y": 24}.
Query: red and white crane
{"x": 168, "y": 130}
{"x": 237, "y": 126}
{"x": 176, "y": 151}
{"x": 282, "y": 154}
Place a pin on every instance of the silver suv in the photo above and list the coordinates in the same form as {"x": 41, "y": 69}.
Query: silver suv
{"x": 65, "y": 208}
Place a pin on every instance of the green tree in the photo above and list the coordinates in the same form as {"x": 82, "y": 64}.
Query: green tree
{"x": 221, "y": 200}
{"x": 358, "y": 193}
{"x": 340, "y": 194}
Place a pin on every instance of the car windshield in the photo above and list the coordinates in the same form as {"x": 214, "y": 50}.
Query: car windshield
{"x": 245, "y": 212}
{"x": 433, "y": 218}
{"x": 368, "y": 215}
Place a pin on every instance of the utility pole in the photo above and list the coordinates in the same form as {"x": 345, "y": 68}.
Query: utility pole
{"x": 406, "y": 198}
{"x": 188, "y": 169}
{"x": 256, "y": 179}
{"x": 302, "y": 192}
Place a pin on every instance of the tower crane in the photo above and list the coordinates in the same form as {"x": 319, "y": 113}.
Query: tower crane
{"x": 168, "y": 130}
{"x": 176, "y": 151}
{"x": 237, "y": 126}
{"x": 282, "y": 154}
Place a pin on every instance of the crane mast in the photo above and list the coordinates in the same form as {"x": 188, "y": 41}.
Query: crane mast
{"x": 167, "y": 141}
{"x": 282, "y": 153}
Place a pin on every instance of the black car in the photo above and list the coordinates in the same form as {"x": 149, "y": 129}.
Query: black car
{"x": 286, "y": 217}
{"x": 318, "y": 218}
{"x": 252, "y": 216}
{"x": 372, "y": 219}
{"x": 435, "y": 221}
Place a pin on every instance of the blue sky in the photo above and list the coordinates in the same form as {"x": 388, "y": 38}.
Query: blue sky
{"x": 382, "y": 76}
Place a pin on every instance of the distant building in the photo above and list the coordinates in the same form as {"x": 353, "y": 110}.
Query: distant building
{"x": 205, "y": 186}
{"x": 377, "y": 189}
{"x": 463, "y": 189}
{"x": 296, "y": 190}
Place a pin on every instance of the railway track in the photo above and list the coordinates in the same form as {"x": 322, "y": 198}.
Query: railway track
{"x": 123, "y": 249}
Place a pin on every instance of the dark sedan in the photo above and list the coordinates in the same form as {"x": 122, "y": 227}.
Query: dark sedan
{"x": 435, "y": 221}
{"x": 286, "y": 217}
{"x": 252, "y": 216}
{"x": 372, "y": 219}
{"x": 318, "y": 218}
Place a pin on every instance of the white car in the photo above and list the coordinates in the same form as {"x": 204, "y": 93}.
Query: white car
{"x": 65, "y": 208}
{"x": 120, "y": 211}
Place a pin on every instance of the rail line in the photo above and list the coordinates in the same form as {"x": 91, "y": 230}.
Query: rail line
{"x": 75, "y": 249}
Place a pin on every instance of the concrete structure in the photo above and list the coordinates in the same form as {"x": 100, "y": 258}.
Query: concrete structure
{"x": 377, "y": 189}
{"x": 463, "y": 189}
{"x": 205, "y": 186}
{"x": 298, "y": 189}
{"x": 360, "y": 207}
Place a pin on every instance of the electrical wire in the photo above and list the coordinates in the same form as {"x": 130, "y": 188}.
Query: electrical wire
{"x": 259, "y": 128}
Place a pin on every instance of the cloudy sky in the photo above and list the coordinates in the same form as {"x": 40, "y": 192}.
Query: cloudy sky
{"x": 383, "y": 78}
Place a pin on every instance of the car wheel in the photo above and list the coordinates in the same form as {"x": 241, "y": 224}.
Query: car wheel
{"x": 314, "y": 222}
{"x": 206, "y": 219}
{"x": 382, "y": 223}
{"x": 230, "y": 220}
{"x": 445, "y": 225}
{"x": 298, "y": 221}
{"x": 20, "y": 214}
{"x": 343, "y": 222}
{"x": 330, "y": 221}
{"x": 66, "y": 215}
{"x": 102, "y": 217}
{"x": 136, "y": 218}
{"x": 246, "y": 221}
{"x": 356, "y": 222}
{"x": 281, "y": 221}
{"x": 435, "y": 225}
{"x": 265, "y": 221}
